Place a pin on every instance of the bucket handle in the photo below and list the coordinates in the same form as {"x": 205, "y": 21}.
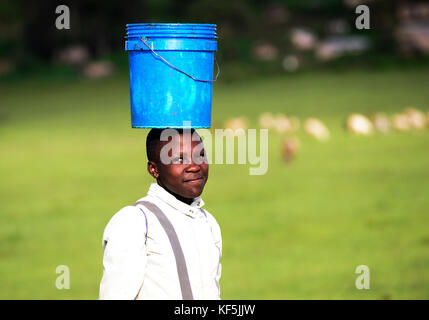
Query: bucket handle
{"x": 218, "y": 69}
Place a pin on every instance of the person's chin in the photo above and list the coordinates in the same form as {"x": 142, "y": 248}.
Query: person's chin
{"x": 193, "y": 191}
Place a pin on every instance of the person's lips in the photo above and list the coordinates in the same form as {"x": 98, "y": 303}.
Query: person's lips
{"x": 198, "y": 179}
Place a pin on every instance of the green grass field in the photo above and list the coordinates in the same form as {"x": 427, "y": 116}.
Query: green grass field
{"x": 70, "y": 160}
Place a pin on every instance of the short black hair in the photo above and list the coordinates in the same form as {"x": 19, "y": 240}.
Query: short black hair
{"x": 152, "y": 140}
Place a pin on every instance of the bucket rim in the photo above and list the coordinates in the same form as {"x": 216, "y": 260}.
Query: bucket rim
{"x": 171, "y": 30}
{"x": 149, "y": 126}
{"x": 170, "y": 24}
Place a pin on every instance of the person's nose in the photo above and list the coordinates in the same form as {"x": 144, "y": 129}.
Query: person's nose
{"x": 193, "y": 166}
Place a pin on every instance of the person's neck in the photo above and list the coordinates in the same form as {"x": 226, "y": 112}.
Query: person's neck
{"x": 188, "y": 201}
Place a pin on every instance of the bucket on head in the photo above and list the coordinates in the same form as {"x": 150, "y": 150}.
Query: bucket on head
{"x": 171, "y": 74}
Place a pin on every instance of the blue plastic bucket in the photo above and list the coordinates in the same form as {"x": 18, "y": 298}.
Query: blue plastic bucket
{"x": 171, "y": 74}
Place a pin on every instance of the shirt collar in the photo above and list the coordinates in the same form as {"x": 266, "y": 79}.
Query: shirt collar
{"x": 193, "y": 210}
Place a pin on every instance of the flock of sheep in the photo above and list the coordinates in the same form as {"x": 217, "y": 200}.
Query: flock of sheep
{"x": 410, "y": 119}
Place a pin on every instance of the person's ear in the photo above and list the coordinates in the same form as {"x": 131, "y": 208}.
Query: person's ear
{"x": 152, "y": 168}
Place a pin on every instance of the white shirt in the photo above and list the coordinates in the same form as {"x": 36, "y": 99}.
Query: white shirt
{"x": 138, "y": 268}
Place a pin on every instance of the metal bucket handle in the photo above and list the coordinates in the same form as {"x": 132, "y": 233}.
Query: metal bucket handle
{"x": 218, "y": 69}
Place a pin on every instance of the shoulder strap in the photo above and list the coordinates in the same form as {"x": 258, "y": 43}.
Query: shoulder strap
{"x": 182, "y": 270}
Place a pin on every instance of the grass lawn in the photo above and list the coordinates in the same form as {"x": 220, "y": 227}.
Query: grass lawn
{"x": 69, "y": 160}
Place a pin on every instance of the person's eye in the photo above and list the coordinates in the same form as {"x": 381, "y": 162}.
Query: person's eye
{"x": 200, "y": 158}
{"x": 198, "y": 155}
{"x": 177, "y": 160}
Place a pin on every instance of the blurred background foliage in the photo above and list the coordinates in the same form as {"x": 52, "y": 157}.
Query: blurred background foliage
{"x": 255, "y": 37}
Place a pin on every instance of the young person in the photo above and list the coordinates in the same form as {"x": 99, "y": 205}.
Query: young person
{"x": 166, "y": 246}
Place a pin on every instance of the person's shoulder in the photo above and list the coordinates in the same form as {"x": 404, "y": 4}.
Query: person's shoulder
{"x": 214, "y": 224}
{"x": 211, "y": 217}
{"x": 127, "y": 221}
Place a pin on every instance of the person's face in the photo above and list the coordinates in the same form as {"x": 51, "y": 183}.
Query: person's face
{"x": 186, "y": 175}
